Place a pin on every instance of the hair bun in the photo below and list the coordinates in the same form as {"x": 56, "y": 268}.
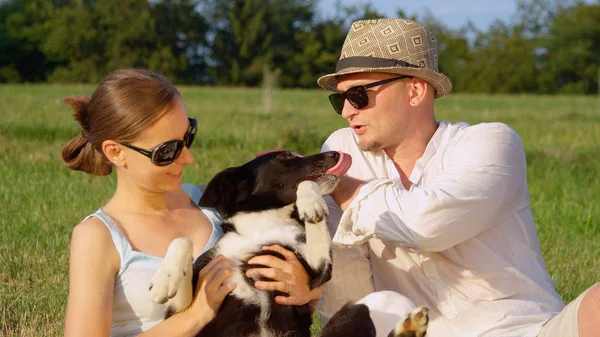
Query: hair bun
{"x": 79, "y": 104}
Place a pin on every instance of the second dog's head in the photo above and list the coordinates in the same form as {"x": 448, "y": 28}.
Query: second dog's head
{"x": 271, "y": 181}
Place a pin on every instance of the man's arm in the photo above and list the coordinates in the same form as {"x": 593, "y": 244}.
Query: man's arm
{"x": 483, "y": 182}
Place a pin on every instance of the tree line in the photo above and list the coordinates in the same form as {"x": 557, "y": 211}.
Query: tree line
{"x": 549, "y": 46}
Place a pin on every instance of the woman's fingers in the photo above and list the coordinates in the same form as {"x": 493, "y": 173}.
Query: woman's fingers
{"x": 212, "y": 286}
{"x": 223, "y": 290}
{"x": 215, "y": 273}
{"x": 212, "y": 264}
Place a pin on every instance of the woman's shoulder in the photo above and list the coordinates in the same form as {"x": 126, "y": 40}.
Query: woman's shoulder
{"x": 92, "y": 238}
{"x": 91, "y": 227}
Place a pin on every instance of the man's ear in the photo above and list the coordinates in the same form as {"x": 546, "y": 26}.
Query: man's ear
{"x": 114, "y": 152}
{"x": 419, "y": 90}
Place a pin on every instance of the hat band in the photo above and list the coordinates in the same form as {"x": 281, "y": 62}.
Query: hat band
{"x": 370, "y": 62}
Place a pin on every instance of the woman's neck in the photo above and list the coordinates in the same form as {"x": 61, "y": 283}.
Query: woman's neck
{"x": 134, "y": 199}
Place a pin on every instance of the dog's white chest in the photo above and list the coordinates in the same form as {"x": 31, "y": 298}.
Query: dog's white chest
{"x": 256, "y": 230}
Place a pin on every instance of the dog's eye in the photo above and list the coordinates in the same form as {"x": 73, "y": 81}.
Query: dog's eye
{"x": 276, "y": 185}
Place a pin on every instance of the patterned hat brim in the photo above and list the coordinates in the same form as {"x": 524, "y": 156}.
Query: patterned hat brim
{"x": 440, "y": 82}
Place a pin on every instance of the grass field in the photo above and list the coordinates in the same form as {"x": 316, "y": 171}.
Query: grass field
{"x": 41, "y": 201}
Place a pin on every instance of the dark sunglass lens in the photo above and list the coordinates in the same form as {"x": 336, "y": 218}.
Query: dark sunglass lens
{"x": 166, "y": 153}
{"x": 189, "y": 138}
{"x": 337, "y": 101}
{"x": 191, "y": 134}
{"x": 357, "y": 96}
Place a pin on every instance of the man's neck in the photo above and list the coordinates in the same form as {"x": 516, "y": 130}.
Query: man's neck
{"x": 406, "y": 154}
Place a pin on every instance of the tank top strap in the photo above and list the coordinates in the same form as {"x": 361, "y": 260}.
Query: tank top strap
{"x": 217, "y": 233}
{"x": 120, "y": 241}
{"x": 194, "y": 192}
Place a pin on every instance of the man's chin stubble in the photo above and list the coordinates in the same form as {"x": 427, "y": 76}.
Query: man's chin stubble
{"x": 370, "y": 146}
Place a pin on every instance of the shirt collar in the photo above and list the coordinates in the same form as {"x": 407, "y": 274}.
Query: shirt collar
{"x": 430, "y": 150}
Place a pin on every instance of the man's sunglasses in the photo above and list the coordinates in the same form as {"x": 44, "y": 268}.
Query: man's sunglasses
{"x": 167, "y": 152}
{"x": 357, "y": 96}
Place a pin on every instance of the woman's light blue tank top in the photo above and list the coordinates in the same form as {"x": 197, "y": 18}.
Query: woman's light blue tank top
{"x": 133, "y": 310}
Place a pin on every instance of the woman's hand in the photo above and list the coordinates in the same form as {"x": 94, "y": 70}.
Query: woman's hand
{"x": 211, "y": 290}
{"x": 288, "y": 277}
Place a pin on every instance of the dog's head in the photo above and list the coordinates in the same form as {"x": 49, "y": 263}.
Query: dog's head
{"x": 271, "y": 181}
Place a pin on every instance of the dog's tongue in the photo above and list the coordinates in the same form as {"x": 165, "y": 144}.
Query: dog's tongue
{"x": 342, "y": 165}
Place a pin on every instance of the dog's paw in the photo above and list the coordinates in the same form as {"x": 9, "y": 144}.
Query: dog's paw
{"x": 415, "y": 324}
{"x": 175, "y": 269}
{"x": 310, "y": 203}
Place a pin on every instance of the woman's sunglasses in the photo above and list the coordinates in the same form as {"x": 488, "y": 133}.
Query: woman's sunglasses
{"x": 357, "y": 96}
{"x": 167, "y": 152}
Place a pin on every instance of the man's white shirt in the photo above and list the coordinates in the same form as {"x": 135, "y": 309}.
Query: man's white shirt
{"x": 461, "y": 240}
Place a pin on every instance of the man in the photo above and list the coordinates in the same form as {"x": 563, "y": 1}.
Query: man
{"x": 437, "y": 212}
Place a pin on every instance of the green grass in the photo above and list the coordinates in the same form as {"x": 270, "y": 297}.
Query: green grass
{"x": 41, "y": 200}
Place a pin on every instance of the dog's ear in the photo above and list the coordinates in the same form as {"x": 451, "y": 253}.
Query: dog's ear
{"x": 217, "y": 189}
{"x": 228, "y": 187}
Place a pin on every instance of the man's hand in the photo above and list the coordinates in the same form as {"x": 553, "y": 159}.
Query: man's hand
{"x": 346, "y": 190}
{"x": 289, "y": 276}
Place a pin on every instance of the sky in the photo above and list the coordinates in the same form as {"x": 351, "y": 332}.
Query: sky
{"x": 452, "y": 13}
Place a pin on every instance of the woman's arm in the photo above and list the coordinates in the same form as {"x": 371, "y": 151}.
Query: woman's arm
{"x": 208, "y": 296}
{"x": 93, "y": 264}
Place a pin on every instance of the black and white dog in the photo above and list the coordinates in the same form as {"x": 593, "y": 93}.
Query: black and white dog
{"x": 276, "y": 198}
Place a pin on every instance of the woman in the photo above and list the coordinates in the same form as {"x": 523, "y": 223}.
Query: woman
{"x": 136, "y": 123}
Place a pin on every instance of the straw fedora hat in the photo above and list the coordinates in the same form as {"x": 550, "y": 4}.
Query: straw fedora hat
{"x": 396, "y": 46}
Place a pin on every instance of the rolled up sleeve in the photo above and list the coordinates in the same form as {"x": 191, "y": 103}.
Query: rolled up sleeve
{"x": 483, "y": 181}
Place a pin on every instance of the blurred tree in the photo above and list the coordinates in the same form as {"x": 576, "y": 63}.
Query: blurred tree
{"x": 248, "y": 35}
{"x": 317, "y": 46}
{"x": 316, "y": 53}
{"x": 23, "y": 28}
{"x": 182, "y": 29}
{"x": 89, "y": 39}
{"x": 572, "y": 50}
{"x": 239, "y": 40}
{"x": 551, "y": 46}
{"x": 293, "y": 35}
{"x": 82, "y": 40}
{"x": 503, "y": 61}
{"x": 455, "y": 56}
